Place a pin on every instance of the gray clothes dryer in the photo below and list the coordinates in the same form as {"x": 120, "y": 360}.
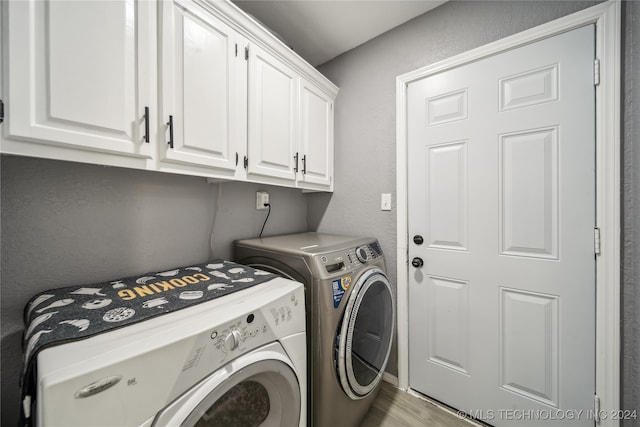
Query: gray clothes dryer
{"x": 350, "y": 316}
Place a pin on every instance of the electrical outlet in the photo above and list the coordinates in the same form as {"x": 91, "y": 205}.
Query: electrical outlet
{"x": 262, "y": 198}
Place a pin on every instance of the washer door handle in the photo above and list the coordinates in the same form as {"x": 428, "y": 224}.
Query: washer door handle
{"x": 98, "y": 386}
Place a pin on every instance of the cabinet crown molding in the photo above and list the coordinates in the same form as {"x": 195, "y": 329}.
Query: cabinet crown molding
{"x": 257, "y": 33}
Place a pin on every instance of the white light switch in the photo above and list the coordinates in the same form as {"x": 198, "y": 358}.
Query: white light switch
{"x": 385, "y": 202}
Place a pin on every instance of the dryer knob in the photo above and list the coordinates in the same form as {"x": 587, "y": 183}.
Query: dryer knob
{"x": 232, "y": 341}
{"x": 362, "y": 254}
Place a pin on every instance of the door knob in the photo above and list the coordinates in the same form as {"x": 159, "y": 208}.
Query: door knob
{"x": 417, "y": 262}
{"x": 417, "y": 239}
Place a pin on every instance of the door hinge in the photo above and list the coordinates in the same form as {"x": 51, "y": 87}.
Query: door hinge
{"x": 246, "y": 53}
{"x": 1, "y": 111}
{"x": 596, "y": 241}
{"x": 596, "y": 409}
{"x": 596, "y": 72}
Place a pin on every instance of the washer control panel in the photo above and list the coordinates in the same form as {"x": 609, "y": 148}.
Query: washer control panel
{"x": 246, "y": 332}
{"x": 257, "y": 328}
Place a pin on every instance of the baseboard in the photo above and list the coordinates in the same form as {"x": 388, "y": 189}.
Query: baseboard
{"x": 390, "y": 378}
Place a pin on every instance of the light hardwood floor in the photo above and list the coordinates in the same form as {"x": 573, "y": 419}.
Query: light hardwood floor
{"x": 395, "y": 408}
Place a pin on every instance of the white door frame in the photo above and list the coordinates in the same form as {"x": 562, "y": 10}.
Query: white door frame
{"x": 607, "y": 18}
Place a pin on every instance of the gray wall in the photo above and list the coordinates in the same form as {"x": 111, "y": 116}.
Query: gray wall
{"x": 68, "y": 224}
{"x": 365, "y": 133}
{"x": 630, "y": 209}
{"x": 365, "y": 149}
{"x": 365, "y": 123}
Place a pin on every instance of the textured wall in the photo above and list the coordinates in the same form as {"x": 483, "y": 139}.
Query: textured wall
{"x": 68, "y": 224}
{"x": 365, "y": 126}
{"x": 65, "y": 223}
{"x": 631, "y": 217}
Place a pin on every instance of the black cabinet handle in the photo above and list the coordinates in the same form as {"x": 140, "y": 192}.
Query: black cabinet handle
{"x": 295, "y": 168}
{"x": 146, "y": 124}
{"x": 170, "y": 124}
{"x": 304, "y": 164}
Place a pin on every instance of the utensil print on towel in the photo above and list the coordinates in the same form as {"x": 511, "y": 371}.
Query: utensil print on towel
{"x": 37, "y": 321}
{"x": 244, "y": 280}
{"x": 96, "y": 303}
{"x": 216, "y": 286}
{"x": 59, "y": 303}
{"x": 219, "y": 274}
{"x": 89, "y": 291}
{"x": 169, "y": 273}
{"x": 81, "y": 324}
{"x": 261, "y": 273}
{"x": 34, "y": 339}
{"x": 156, "y": 302}
{"x": 188, "y": 295}
{"x": 117, "y": 284}
{"x": 144, "y": 280}
{"x": 36, "y": 302}
{"x": 118, "y": 314}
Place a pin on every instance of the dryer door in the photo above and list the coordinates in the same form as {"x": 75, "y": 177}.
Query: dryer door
{"x": 262, "y": 390}
{"x": 365, "y": 334}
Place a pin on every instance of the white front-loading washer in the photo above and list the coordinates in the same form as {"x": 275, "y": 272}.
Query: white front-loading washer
{"x": 239, "y": 360}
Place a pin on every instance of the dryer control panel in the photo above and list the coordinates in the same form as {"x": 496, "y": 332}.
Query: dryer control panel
{"x": 365, "y": 253}
{"x": 331, "y": 264}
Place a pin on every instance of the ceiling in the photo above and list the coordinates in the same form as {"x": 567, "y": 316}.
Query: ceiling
{"x": 320, "y": 30}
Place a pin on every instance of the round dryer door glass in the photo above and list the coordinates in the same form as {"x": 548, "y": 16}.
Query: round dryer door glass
{"x": 365, "y": 334}
{"x": 265, "y": 393}
{"x": 245, "y": 405}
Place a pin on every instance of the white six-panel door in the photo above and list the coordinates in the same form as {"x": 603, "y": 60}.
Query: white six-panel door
{"x": 502, "y": 191}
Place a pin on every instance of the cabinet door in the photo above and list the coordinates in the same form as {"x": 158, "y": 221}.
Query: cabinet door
{"x": 316, "y": 127}
{"x": 80, "y": 75}
{"x": 198, "y": 83}
{"x": 273, "y": 88}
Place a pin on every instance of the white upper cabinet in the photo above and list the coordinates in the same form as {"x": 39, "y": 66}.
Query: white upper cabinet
{"x": 179, "y": 86}
{"x": 80, "y": 75}
{"x": 273, "y": 116}
{"x": 316, "y": 137}
{"x": 199, "y": 89}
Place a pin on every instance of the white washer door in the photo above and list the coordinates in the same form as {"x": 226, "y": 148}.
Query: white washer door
{"x": 257, "y": 389}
